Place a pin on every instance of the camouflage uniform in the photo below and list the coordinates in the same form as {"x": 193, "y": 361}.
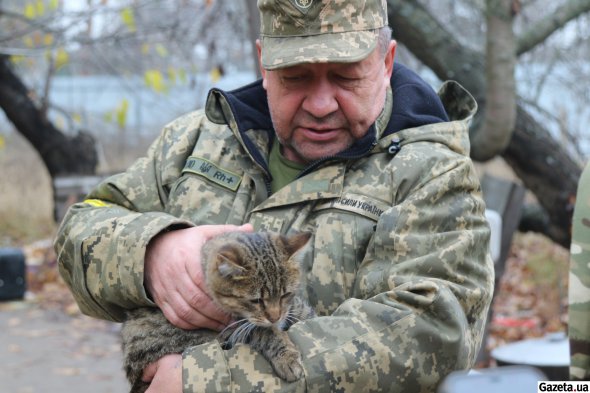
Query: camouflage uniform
{"x": 399, "y": 270}
{"x": 579, "y": 283}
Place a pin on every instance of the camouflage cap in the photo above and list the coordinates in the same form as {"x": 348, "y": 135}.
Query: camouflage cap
{"x": 318, "y": 31}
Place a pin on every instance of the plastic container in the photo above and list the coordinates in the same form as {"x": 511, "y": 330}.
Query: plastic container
{"x": 12, "y": 274}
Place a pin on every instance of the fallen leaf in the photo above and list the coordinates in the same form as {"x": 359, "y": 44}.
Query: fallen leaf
{"x": 67, "y": 371}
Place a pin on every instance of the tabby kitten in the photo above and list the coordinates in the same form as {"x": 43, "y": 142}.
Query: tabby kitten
{"x": 255, "y": 277}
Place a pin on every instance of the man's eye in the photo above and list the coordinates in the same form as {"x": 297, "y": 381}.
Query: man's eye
{"x": 294, "y": 78}
{"x": 345, "y": 79}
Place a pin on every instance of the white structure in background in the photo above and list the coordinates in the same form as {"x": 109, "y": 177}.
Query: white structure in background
{"x": 495, "y": 221}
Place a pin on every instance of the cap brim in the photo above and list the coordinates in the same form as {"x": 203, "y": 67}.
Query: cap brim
{"x": 348, "y": 47}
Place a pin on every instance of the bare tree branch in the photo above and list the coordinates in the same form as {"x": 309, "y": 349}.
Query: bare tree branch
{"x": 500, "y": 111}
{"x": 541, "y": 162}
{"x": 539, "y": 32}
{"x": 434, "y": 46}
{"x": 61, "y": 154}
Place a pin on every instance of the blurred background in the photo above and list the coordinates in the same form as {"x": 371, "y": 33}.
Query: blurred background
{"x": 86, "y": 85}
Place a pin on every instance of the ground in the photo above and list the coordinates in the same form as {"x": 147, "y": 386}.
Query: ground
{"x": 45, "y": 350}
{"x": 47, "y": 345}
{"x": 531, "y": 300}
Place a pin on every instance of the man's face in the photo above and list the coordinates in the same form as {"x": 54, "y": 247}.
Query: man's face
{"x": 320, "y": 109}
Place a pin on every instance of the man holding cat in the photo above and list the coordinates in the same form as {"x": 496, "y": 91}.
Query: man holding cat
{"x": 336, "y": 140}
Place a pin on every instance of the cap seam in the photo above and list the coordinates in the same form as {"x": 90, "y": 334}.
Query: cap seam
{"x": 320, "y": 33}
{"x": 286, "y": 64}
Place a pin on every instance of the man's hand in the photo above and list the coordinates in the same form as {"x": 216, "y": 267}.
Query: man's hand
{"x": 174, "y": 278}
{"x": 165, "y": 375}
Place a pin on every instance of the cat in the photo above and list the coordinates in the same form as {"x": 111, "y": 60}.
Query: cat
{"x": 255, "y": 277}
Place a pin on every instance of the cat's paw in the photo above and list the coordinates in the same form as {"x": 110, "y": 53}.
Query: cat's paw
{"x": 288, "y": 366}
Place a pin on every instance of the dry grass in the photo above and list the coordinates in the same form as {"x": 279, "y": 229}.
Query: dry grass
{"x": 26, "y": 196}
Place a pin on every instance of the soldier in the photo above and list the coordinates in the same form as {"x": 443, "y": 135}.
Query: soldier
{"x": 337, "y": 140}
{"x": 579, "y": 283}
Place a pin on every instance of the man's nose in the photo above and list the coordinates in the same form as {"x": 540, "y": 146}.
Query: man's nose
{"x": 320, "y": 100}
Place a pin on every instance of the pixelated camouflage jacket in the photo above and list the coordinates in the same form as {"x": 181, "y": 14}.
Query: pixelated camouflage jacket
{"x": 579, "y": 283}
{"x": 398, "y": 271}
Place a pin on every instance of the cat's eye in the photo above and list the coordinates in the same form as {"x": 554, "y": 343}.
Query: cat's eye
{"x": 257, "y": 301}
{"x": 287, "y": 295}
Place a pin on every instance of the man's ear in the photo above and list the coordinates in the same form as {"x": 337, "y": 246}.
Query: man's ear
{"x": 389, "y": 59}
{"x": 262, "y": 70}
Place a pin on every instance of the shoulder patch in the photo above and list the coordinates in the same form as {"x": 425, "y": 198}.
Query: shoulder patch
{"x": 97, "y": 203}
{"x": 358, "y": 204}
{"x": 212, "y": 172}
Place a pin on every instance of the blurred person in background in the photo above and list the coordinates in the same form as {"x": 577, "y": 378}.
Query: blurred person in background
{"x": 579, "y": 283}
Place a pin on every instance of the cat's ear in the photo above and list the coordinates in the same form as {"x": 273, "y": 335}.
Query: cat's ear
{"x": 296, "y": 242}
{"x": 228, "y": 269}
{"x": 228, "y": 264}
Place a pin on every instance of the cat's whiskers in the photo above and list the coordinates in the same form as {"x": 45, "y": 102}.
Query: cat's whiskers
{"x": 288, "y": 320}
{"x": 291, "y": 315}
{"x": 233, "y": 324}
{"x": 248, "y": 331}
{"x": 240, "y": 335}
{"x": 236, "y": 322}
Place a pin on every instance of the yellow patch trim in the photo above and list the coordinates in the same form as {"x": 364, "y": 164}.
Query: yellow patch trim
{"x": 97, "y": 203}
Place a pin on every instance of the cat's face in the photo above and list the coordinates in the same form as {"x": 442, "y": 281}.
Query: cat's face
{"x": 255, "y": 276}
{"x": 259, "y": 308}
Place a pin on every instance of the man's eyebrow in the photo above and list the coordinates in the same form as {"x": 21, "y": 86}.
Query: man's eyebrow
{"x": 295, "y": 68}
{"x": 350, "y": 67}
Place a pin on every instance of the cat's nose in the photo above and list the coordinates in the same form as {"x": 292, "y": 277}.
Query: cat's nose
{"x": 273, "y": 317}
{"x": 273, "y": 314}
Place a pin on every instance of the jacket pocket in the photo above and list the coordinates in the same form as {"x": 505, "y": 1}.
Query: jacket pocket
{"x": 203, "y": 202}
{"x": 339, "y": 247}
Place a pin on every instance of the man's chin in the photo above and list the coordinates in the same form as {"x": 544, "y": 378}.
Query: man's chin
{"x": 307, "y": 152}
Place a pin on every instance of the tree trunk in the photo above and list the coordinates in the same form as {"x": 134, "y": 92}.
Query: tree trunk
{"x": 61, "y": 154}
{"x": 499, "y": 114}
{"x": 542, "y": 163}
{"x": 254, "y": 32}
{"x": 547, "y": 170}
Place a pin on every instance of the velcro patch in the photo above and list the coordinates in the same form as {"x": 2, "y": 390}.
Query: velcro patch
{"x": 211, "y": 171}
{"x": 302, "y": 5}
{"x": 358, "y": 204}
